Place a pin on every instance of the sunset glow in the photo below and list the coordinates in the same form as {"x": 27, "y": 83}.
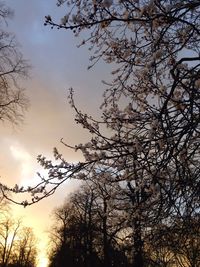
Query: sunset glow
{"x": 42, "y": 262}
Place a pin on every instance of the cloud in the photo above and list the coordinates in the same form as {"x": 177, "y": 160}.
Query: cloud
{"x": 25, "y": 163}
{"x": 19, "y": 153}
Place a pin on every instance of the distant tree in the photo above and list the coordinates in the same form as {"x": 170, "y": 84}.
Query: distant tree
{"x": 86, "y": 230}
{"x": 17, "y": 243}
{"x": 12, "y": 68}
{"x": 184, "y": 242}
{"x": 108, "y": 203}
{"x": 25, "y": 249}
{"x": 73, "y": 234}
{"x": 175, "y": 245}
{"x": 8, "y": 234}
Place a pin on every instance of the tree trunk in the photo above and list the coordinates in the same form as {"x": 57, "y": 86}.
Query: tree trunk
{"x": 138, "y": 260}
{"x": 105, "y": 237}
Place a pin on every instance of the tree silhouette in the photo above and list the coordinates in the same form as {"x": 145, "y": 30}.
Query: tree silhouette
{"x": 8, "y": 233}
{"x": 81, "y": 236}
{"x": 13, "y": 101}
{"x": 25, "y": 254}
{"x": 17, "y": 243}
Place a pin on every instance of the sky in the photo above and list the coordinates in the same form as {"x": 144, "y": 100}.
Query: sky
{"x": 57, "y": 64}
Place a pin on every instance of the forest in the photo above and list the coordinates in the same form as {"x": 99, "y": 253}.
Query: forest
{"x": 94, "y": 227}
{"x": 18, "y": 244}
{"x": 139, "y": 200}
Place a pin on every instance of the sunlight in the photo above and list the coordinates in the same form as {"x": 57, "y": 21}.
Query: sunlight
{"x": 24, "y": 157}
{"x": 27, "y": 166}
{"x": 19, "y": 153}
{"x": 42, "y": 262}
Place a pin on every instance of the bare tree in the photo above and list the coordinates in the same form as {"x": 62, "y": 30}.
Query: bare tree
{"x": 13, "y": 68}
{"x": 85, "y": 232}
{"x": 176, "y": 244}
{"x": 25, "y": 251}
{"x": 17, "y": 243}
{"x": 8, "y": 234}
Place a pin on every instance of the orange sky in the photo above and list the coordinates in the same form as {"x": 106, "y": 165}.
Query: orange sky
{"x": 57, "y": 65}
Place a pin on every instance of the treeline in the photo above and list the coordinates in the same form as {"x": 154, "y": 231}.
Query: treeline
{"x": 17, "y": 242}
{"x": 95, "y": 227}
